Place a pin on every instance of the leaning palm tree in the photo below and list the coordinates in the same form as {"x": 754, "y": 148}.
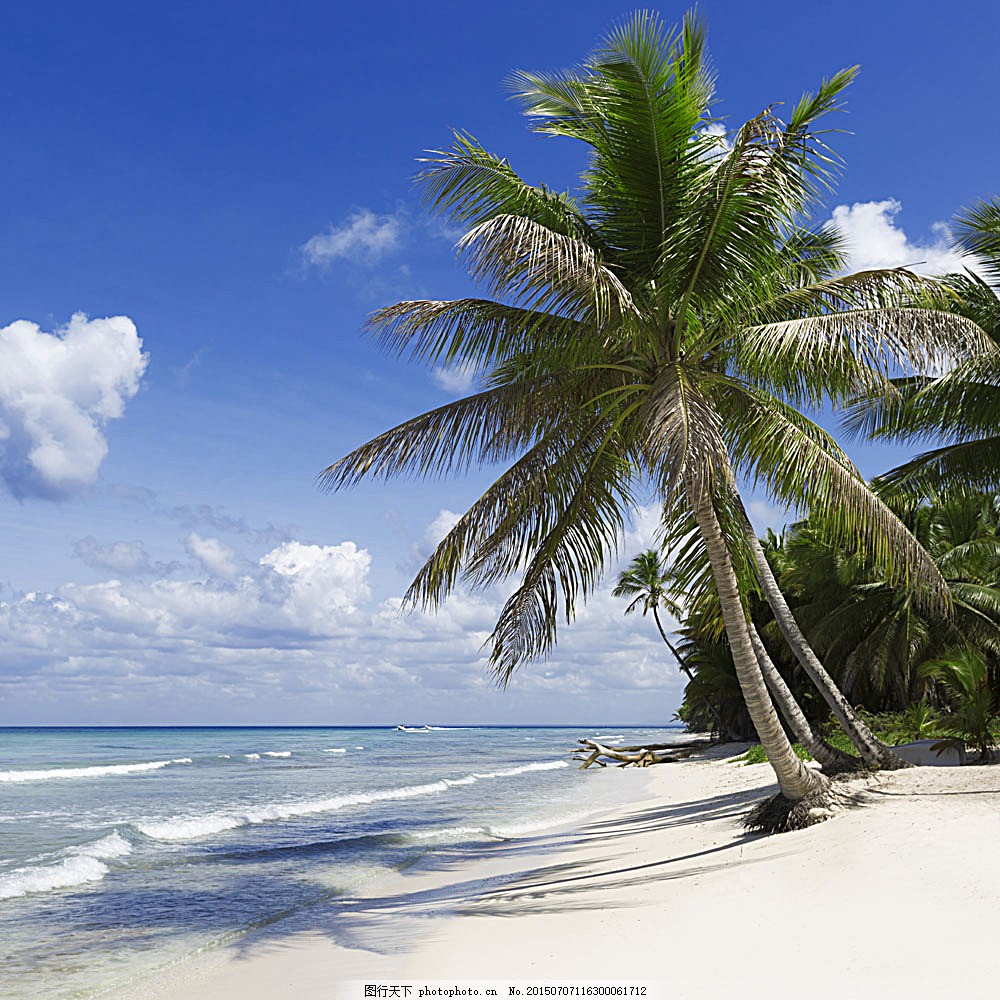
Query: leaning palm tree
{"x": 657, "y": 331}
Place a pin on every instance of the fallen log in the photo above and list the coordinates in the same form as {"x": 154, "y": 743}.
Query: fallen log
{"x": 636, "y": 756}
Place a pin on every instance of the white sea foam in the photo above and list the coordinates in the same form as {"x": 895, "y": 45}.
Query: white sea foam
{"x": 452, "y": 833}
{"x": 277, "y": 753}
{"x": 359, "y": 748}
{"x": 192, "y": 827}
{"x": 40, "y": 878}
{"x": 252, "y": 756}
{"x": 523, "y": 829}
{"x": 83, "y": 863}
{"x": 114, "y": 845}
{"x": 509, "y": 772}
{"x": 189, "y": 827}
{"x": 339, "y": 749}
{"x": 96, "y": 771}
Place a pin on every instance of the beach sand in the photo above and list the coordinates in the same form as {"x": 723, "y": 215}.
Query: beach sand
{"x": 897, "y": 896}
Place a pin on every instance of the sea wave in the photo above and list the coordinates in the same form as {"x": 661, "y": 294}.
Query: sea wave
{"x": 193, "y": 827}
{"x": 339, "y": 749}
{"x": 190, "y": 827}
{"x": 277, "y": 753}
{"x": 94, "y": 771}
{"x": 509, "y": 772}
{"x": 84, "y": 863}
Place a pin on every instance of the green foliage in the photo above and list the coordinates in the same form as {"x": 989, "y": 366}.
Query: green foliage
{"x": 964, "y": 673}
{"x": 757, "y": 755}
{"x": 918, "y": 721}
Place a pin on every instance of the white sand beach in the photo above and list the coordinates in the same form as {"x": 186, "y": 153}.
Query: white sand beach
{"x": 897, "y": 896}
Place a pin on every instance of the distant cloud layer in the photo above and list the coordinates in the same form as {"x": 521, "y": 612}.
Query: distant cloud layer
{"x": 121, "y": 558}
{"x": 57, "y": 393}
{"x": 363, "y": 237}
{"x": 297, "y": 630}
{"x": 876, "y": 240}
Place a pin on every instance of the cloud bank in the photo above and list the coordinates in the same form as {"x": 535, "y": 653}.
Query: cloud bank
{"x": 296, "y": 634}
{"x": 57, "y": 393}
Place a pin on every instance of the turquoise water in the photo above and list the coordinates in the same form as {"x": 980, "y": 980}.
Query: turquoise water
{"x": 125, "y": 850}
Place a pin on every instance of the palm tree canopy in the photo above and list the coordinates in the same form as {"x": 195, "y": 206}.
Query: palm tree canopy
{"x": 658, "y": 328}
{"x": 962, "y": 407}
{"x": 649, "y": 584}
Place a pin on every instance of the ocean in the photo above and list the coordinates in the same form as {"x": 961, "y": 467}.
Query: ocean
{"x": 126, "y": 850}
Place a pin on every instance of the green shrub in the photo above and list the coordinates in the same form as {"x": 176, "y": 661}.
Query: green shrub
{"x": 756, "y": 754}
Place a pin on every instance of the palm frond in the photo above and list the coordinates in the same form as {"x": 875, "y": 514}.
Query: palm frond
{"x": 540, "y": 269}
{"x": 801, "y": 466}
{"x": 480, "y": 332}
{"x": 471, "y": 186}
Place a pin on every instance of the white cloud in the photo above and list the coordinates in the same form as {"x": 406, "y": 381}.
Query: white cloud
{"x": 768, "y": 515}
{"x": 875, "y": 240}
{"x": 296, "y": 633}
{"x": 57, "y": 392}
{"x": 458, "y": 378}
{"x": 219, "y": 559}
{"x": 363, "y": 237}
{"x": 323, "y": 581}
{"x": 439, "y": 527}
{"x": 123, "y": 558}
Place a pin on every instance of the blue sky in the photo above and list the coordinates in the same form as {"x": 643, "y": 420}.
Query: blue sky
{"x": 234, "y": 180}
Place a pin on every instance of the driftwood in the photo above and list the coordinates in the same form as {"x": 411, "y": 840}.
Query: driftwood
{"x": 637, "y": 756}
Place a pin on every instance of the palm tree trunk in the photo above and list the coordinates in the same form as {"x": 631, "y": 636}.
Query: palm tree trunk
{"x": 795, "y": 780}
{"x": 832, "y": 759}
{"x": 687, "y": 670}
{"x": 873, "y": 751}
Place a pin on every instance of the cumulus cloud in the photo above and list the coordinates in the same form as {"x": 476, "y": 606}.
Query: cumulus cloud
{"x": 57, "y": 392}
{"x": 323, "y": 580}
{"x": 875, "y": 239}
{"x": 439, "y": 527}
{"x": 123, "y": 558}
{"x": 457, "y": 379}
{"x": 363, "y": 237}
{"x": 219, "y": 559}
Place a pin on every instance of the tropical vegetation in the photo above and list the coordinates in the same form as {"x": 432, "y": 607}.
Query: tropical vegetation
{"x": 663, "y": 328}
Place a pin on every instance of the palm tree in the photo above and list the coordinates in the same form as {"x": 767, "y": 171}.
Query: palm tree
{"x": 655, "y": 330}
{"x": 870, "y": 631}
{"x": 651, "y": 586}
{"x": 963, "y": 405}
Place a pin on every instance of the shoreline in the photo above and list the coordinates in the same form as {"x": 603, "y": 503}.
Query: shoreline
{"x": 895, "y": 895}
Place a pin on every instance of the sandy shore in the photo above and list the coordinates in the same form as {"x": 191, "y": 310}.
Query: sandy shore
{"x": 898, "y": 896}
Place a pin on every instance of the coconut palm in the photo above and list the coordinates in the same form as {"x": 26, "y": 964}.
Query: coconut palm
{"x": 871, "y": 632}
{"x": 657, "y": 330}
{"x": 962, "y": 406}
{"x": 651, "y": 586}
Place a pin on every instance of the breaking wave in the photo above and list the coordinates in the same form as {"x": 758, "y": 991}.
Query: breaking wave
{"x": 81, "y": 864}
{"x": 95, "y": 771}
{"x": 192, "y": 827}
